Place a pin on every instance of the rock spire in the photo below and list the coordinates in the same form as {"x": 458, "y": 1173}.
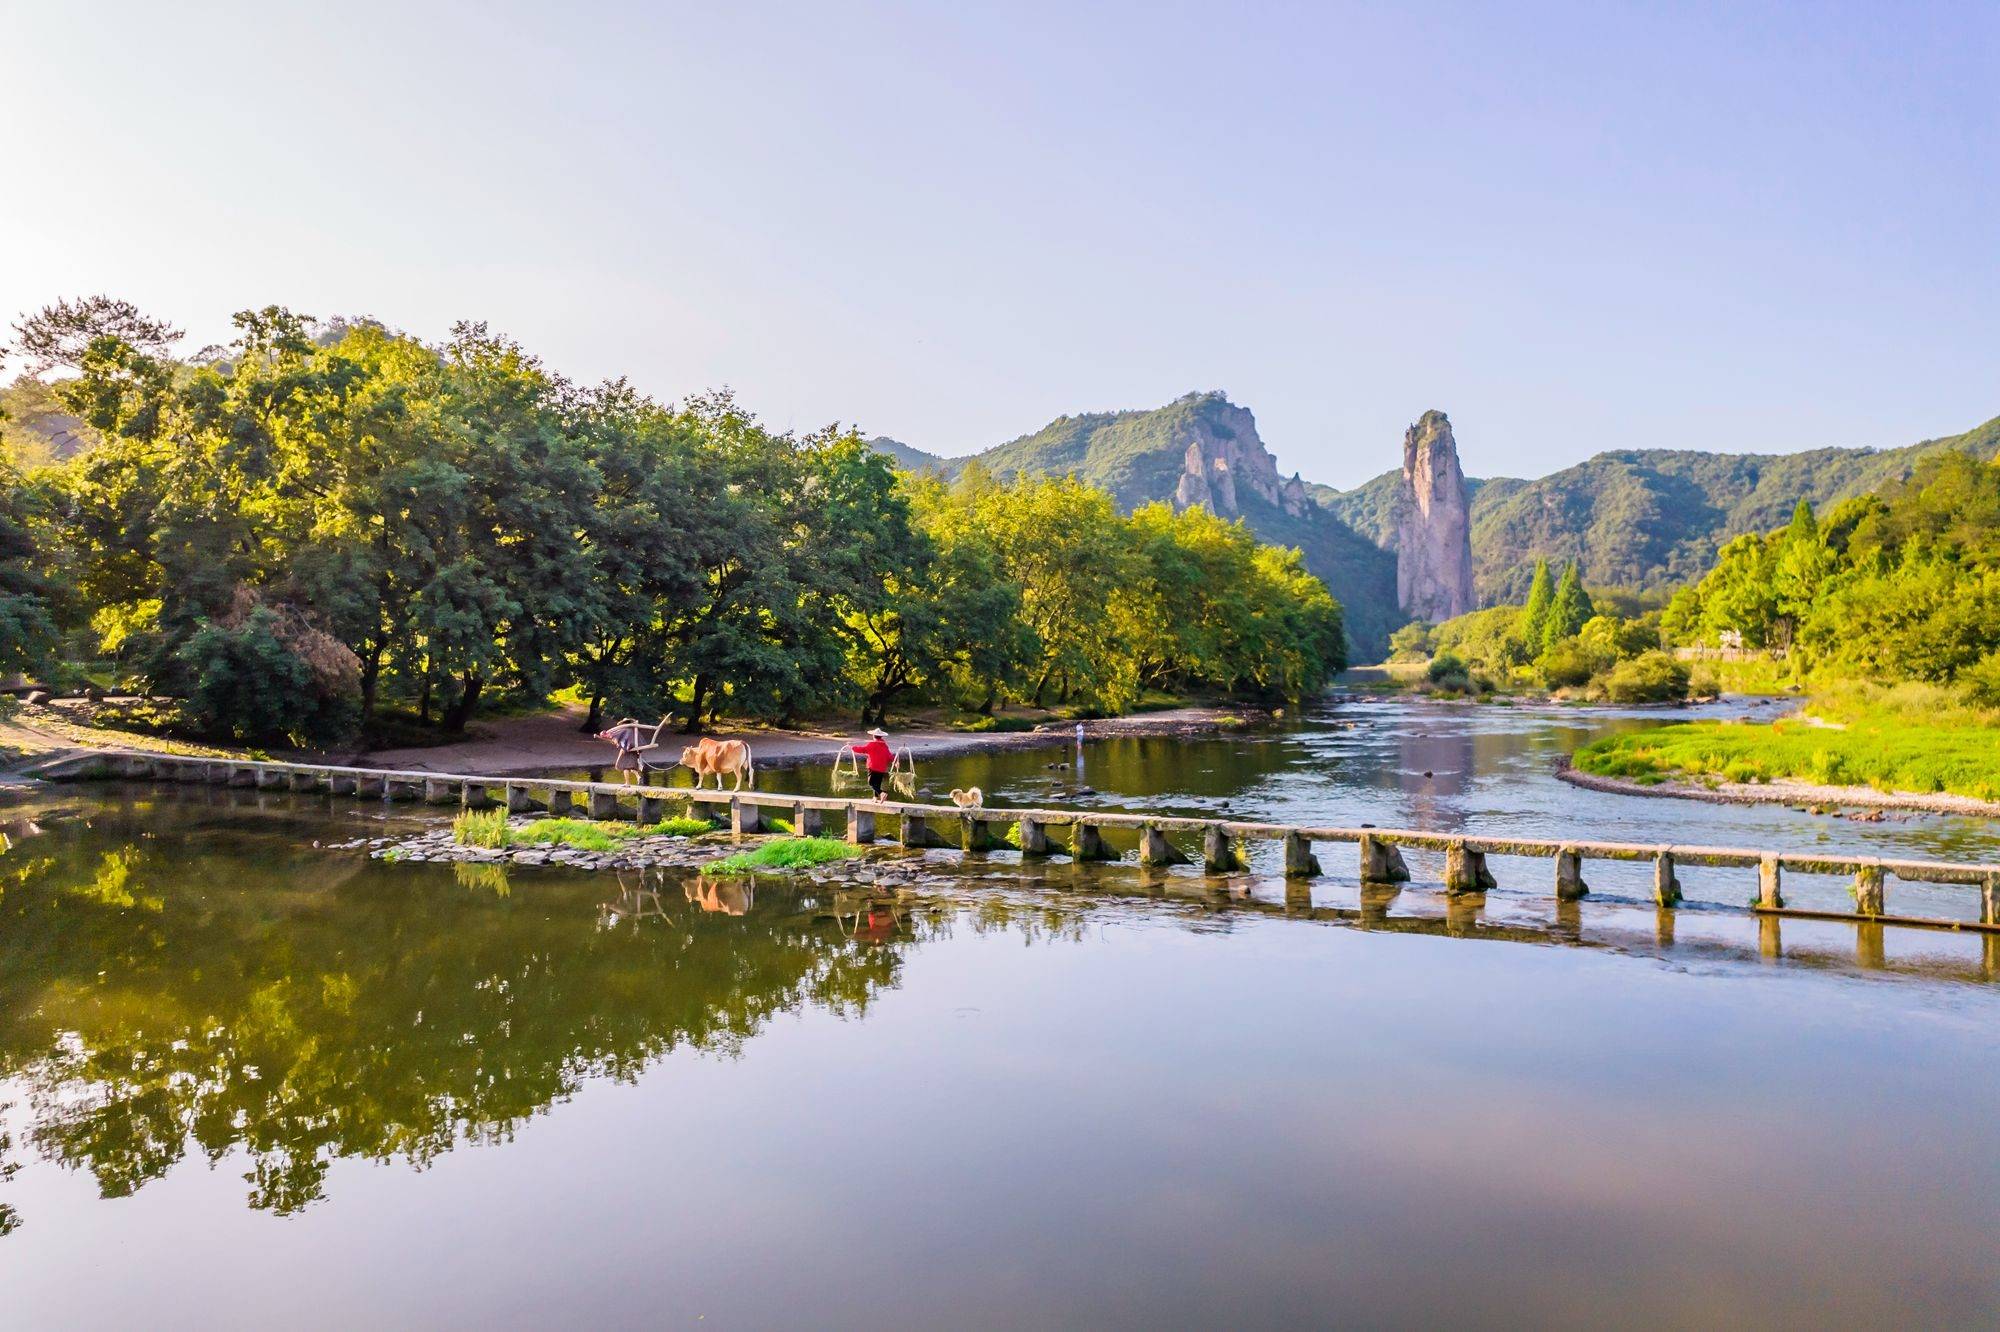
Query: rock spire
{"x": 1434, "y": 525}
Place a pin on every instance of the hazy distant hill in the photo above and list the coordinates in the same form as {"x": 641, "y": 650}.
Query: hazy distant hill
{"x": 912, "y": 459}
{"x": 1644, "y": 519}
{"x": 34, "y": 428}
{"x": 1200, "y": 449}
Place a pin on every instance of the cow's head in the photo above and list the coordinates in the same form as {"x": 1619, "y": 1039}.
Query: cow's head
{"x": 689, "y": 755}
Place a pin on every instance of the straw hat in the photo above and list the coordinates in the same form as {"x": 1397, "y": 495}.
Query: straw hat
{"x": 879, "y": 733}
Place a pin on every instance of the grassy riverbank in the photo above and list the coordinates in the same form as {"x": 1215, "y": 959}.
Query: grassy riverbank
{"x": 1921, "y": 739}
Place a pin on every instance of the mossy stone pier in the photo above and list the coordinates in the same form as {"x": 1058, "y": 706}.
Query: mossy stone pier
{"x": 1220, "y": 845}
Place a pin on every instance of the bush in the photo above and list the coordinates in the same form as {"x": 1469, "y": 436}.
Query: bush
{"x": 1449, "y": 671}
{"x": 1410, "y": 643}
{"x": 1981, "y": 681}
{"x": 245, "y": 684}
{"x": 1650, "y": 677}
{"x": 1566, "y": 665}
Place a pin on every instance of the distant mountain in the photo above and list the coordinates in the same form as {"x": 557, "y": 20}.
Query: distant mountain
{"x": 34, "y": 427}
{"x": 1201, "y": 449}
{"x": 911, "y": 459}
{"x": 1644, "y": 520}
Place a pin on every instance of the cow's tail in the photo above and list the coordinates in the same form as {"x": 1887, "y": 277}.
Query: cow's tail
{"x": 749, "y": 766}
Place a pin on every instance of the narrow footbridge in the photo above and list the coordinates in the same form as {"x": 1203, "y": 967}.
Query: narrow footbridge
{"x": 1218, "y": 845}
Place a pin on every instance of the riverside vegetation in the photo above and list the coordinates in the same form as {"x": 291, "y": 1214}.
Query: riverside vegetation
{"x": 329, "y": 527}
{"x": 1886, "y": 612}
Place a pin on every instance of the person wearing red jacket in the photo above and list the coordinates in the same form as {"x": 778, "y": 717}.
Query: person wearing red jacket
{"x": 879, "y": 756}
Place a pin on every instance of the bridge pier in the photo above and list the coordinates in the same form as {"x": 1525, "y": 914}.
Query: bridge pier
{"x": 974, "y": 833}
{"x": 1034, "y": 837}
{"x": 520, "y": 800}
{"x": 1868, "y": 894}
{"x": 1089, "y": 844}
{"x": 343, "y": 784}
{"x": 860, "y": 826}
{"x": 1570, "y": 886}
{"x": 1218, "y": 854}
{"x": 602, "y": 805}
{"x": 1769, "y": 883}
{"x": 652, "y": 808}
{"x": 1382, "y": 862}
{"x": 440, "y": 792}
{"x": 914, "y": 831}
{"x": 1989, "y": 899}
{"x": 1666, "y": 884}
{"x": 744, "y": 820}
{"x": 305, "y": 781}
{"x": 1155, "y": 849}
{"x": 1300, "y": 862}
{"x": 808, "y": 820}
{"x": 473, "y": 795}
{"x": 1465, "y": 870}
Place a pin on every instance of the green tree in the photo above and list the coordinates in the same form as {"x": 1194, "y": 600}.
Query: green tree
{"x": 1568, "y": 609}
{"x": 1532, "y": 627}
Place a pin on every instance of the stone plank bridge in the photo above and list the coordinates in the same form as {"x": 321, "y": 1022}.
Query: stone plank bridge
{"x": 1216, "y": 844}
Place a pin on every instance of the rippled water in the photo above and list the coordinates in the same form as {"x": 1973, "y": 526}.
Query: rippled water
{"x": 251, "y": 1082}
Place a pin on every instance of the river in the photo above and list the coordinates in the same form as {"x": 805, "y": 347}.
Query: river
{"x": 251, "y": 1081}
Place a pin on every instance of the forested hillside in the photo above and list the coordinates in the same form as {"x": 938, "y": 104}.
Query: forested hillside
{"x": 1647, "y": 520}
{"x": 1199, "y": 449}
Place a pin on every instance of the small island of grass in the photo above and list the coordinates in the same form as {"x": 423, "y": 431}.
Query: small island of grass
{"x": 790, "y": 853}
{"x": 491, "y": 828}
{"x": 1914, "y": 739}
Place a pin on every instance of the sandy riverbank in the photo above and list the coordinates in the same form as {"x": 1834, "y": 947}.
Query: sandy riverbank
{"x": 1786, "y": 792}
{"x": 551, "y": 740}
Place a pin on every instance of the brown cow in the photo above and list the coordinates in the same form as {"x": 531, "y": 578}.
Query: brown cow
{"x": 710, "y": 755}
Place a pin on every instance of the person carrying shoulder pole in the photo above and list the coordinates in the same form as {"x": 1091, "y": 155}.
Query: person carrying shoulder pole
{"x": 879, "y": 757}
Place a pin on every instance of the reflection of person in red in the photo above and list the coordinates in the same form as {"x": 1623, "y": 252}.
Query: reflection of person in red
{"x": 876, "y": 926}
{"x": 878, "y": 756}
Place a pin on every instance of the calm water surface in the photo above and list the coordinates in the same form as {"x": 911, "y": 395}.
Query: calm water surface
{"x": 250, "y": 1082}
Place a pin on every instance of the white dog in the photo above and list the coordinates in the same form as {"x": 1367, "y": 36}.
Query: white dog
{"x": 971, "y": 799}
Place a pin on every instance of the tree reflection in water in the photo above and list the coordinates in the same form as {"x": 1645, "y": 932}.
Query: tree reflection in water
{"x": 166, "y": 993}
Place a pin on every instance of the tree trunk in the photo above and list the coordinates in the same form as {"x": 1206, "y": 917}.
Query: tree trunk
{"x": 697, "y": 698}
{"x": 424, "y": 699}
{"x": 371, "y": 677}
{"x": 593, "y": 721}
{"x": 460, "y": 712}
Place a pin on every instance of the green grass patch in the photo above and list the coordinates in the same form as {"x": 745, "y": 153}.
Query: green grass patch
{"x": 1879, "y": 748}
{"x": 594, "y": 835}
{"x": 792, "y": 853}
{"x": 676, "y": 827}
{"x": 480, "y": 827}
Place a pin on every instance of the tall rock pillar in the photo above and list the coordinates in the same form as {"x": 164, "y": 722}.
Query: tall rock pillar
{"x": 1434, "y": 525}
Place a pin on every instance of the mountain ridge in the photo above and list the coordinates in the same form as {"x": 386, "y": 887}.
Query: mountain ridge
{"x": 1636, "y": 520}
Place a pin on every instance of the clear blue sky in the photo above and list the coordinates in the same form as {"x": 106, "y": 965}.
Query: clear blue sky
{"x": 1573, "y": 228}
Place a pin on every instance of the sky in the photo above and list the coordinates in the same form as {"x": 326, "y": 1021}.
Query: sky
{"x": 1573, "y": 228}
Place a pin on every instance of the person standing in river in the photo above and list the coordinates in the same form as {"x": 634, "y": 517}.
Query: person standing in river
{"x": 877, "y": 754}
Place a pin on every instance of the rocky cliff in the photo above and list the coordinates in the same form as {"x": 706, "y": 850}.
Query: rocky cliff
{"x": 1201, "y": 449}
{"x": 1224, "y": 454}
{"x": 1433, "y": 525}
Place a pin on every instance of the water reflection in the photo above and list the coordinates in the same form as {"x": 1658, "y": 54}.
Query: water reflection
{"x": 186, "y": 991}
